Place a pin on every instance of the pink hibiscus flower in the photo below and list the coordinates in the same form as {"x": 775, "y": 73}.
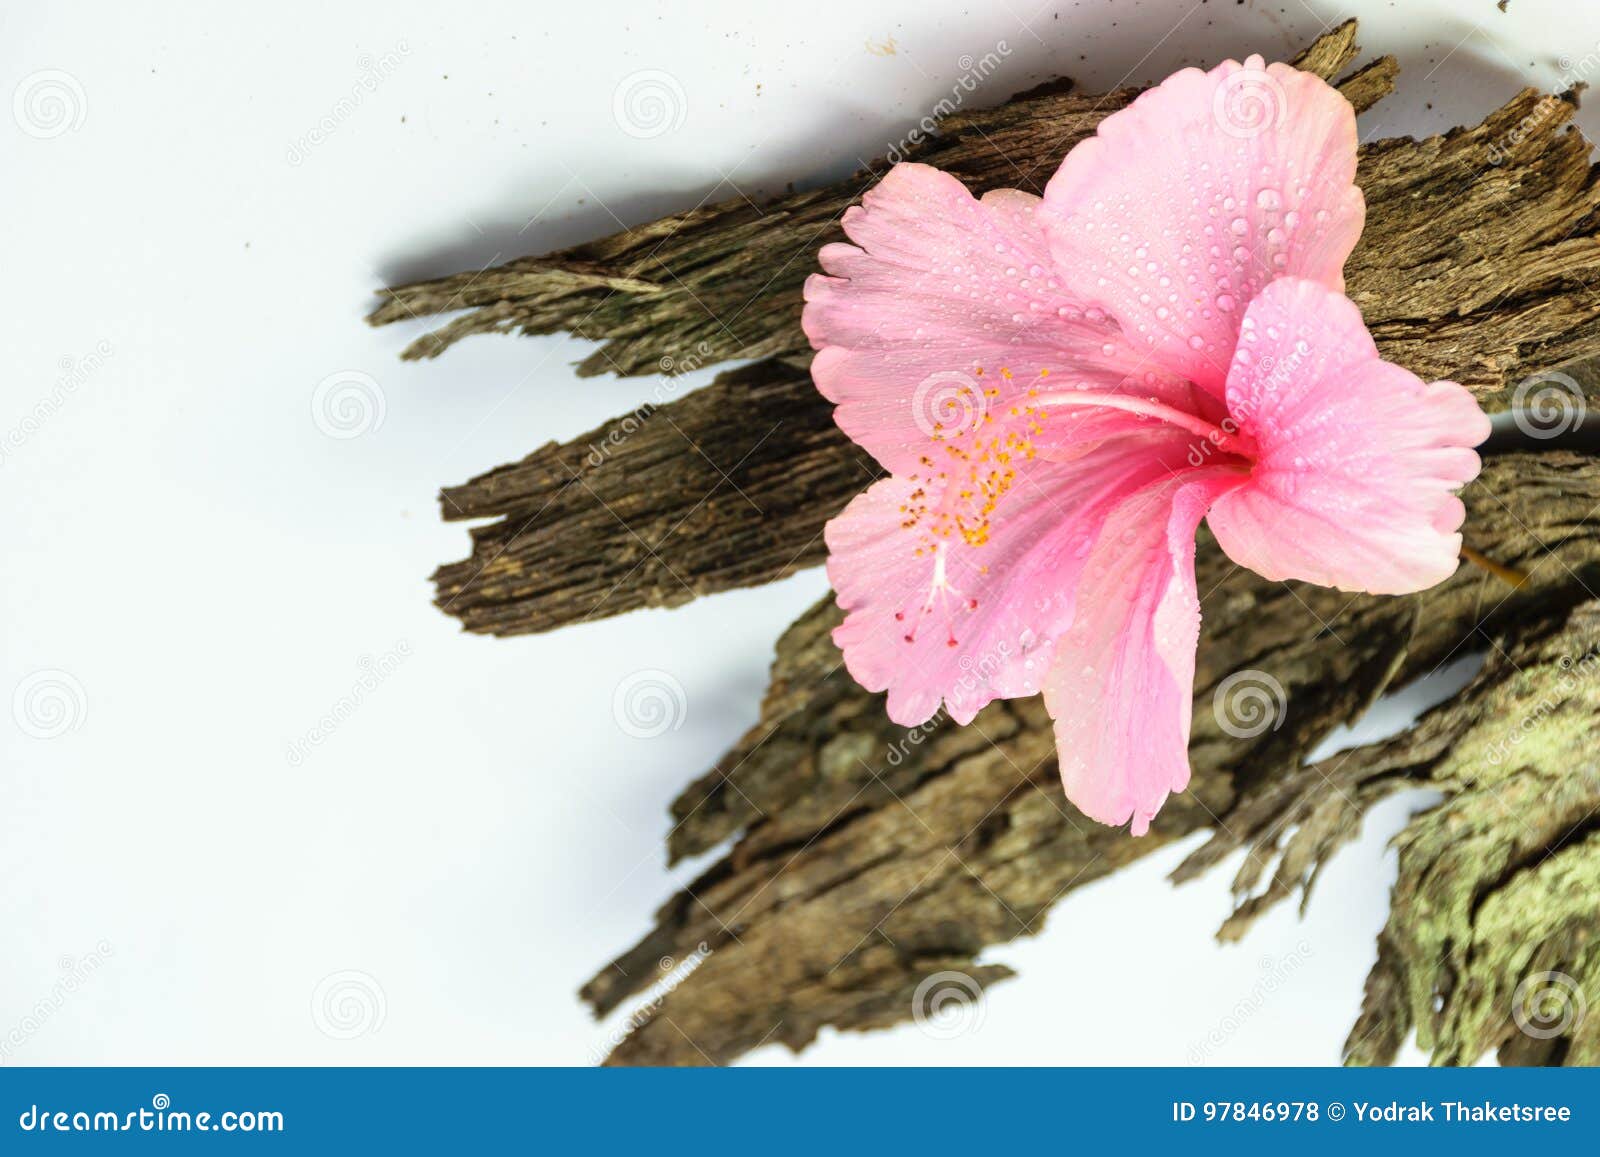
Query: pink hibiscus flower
{"x": 1062, "y": 388}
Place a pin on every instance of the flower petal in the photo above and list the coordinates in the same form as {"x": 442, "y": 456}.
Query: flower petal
{"x": 937, "y": 286}
{"x": 935, "y": 617}
{"x": 1184, "y": 204}
{"x": 1358, "y": 458}
{"x": 1122, "y": 687}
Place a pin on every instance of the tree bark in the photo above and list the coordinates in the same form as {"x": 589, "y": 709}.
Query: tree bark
{"x": 723, "y": 281}
{"x": 873, "y": 855}
{"x": 1473, "y": 266}
{"x": 868, "y": 857}
{"x": 1490, "y": 943}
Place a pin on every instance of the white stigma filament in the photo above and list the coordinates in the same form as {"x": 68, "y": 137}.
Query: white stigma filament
{"x": 970, "y": 468}
{"x": 1143, "y": 406}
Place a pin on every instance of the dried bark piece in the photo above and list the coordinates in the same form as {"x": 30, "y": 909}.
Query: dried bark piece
{"x": 725, "y": 279}
{"x": 859, "y": 874}
{"x": 719, "y": 489}
{"x": 1455, "y": 277}
{"x": 874, "y": 855}
{"x": 1491, "y": 940}
{"x": 1480, "y": 246}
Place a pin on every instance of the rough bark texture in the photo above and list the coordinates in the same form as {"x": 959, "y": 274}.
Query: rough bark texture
{"x": 874, "y": 856}
{"x": 723, "y": 281}
{"x": 717, "y": 490}
{"x": 868, "y": 858}
{"x": 1493, "y": 939}
{"x": 1472, "y": 266}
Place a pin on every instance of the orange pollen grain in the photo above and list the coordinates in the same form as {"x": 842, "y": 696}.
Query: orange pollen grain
{"x": 979, "y": 472}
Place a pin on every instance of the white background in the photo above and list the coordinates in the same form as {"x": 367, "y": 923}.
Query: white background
{"x": 209, "y": 568}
